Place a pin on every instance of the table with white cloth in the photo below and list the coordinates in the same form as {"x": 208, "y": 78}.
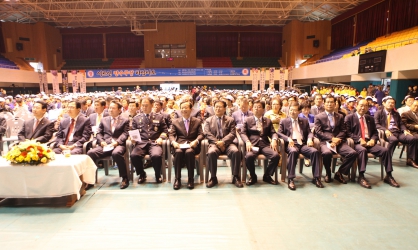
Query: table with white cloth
{"x": 63, "y": 176}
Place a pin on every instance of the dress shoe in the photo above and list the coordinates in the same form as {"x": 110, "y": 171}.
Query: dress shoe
{"x": 339, "y": 177}
{"x": 142, "y": 178}
{"x": 411, "y": 163}
{"x": 252, "y": 180}
{"x": 268, "y": 179}
{"x": 391, "y": 181}
{"x": 158, "y": 179}
{"x": 212, "y": 182}
{"x": 125, "y": 183}
{"x": 317, "y": 182}
{"x": 190, "y": 184}
{"x": 363, "y": 182}
{"x": 177, "y": 184}
{"x": 328, "y": 179}
{"x": 89, "y": 186}
{"x": 237, "y": 182}
{"x": 291, "y": 185}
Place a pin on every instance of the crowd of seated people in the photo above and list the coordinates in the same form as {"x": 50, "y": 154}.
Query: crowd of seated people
{"x": 259, "y": 119}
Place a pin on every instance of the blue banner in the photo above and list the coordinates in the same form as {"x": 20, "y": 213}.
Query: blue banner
{"x": 114, "y": 73}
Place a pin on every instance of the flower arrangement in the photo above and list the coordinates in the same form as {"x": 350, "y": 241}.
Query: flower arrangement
{"x": 30, "y": 152}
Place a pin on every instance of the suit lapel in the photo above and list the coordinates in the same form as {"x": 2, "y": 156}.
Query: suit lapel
{"x": 30, "y": 125}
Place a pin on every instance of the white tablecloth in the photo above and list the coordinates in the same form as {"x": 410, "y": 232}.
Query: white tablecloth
{"x": 57, "y": 178}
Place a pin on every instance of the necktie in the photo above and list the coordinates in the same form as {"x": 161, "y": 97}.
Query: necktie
{"x": 186, "y": 124}
{"x": 296, "y": 132}
{"x": 114, "y": 124}
{"x": 36, "y": 125}
{"x": 363, "y": 135}
{"x": 259, "y": 125}
{"x": 220, "y": 135}
{"x": 99, "y": 119}
{"x": 388, "y": 121}
{"x": 70, "y": 131}
{"x": 331, "y": 120}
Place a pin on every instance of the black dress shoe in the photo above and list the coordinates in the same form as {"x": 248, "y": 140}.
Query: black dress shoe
{"x": 364, "y": 183}
{"x": 328, "y": 179}
{"x": 291, "y": 185}
{"x": 158, "y": 179}
{"x": 177, "y": 184}
{"x": 237, "y": 182}
{"x": 391, "y": 181}
{"x": 339, "y": 177}
{"x": 252, "y": 180}
{"x": 89, "y": 186}
{"x": 268, "y": 179}
{"x": 317, "y": 182}
{"x": 125, "y": 183}
{"x": 190, "y": 184}
{"x": 212, "y": 182}
{"x": 411, "y": 163}
{"x": 142, "y": 178}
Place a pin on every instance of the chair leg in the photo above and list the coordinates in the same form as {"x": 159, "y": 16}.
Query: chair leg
{"x": 333, "y": 164}
{"x": 403, "y": 148}
{"x": 301, "y": 162}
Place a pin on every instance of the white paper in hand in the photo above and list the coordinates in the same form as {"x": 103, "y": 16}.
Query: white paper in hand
{"x": 94, "y": 129}
{"x": 107, "y": 148}
{"x": 333, "y": 149}
{"x": 184, "y": 146}
{"x": 134, "y": 134}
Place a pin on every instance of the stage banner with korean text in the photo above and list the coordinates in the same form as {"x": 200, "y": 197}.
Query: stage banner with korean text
{"x": 255, "y": 79}
{"x": 263, "y": 79}
{"x": 75, "y": 84}
{"x": 271, "y": 78}
{"x": 82, "y": 80}
{"x": 41, "y": 82}
{"x": 55, "y": 84}
{"x": 290, "y": 76}
{"x": 282, "y": 82}
{"x": 45, "y": 82}
{"x": 64, "y": 81}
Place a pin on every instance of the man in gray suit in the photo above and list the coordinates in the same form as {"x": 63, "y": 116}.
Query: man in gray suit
{"x": 297, "y": 135}
{"x": 39, "y": 128}
{"x": 319, "y": 106}
{"x": 111, "y": 138}
{"x": 331, "y": 132}
{"x": 96, "y": 117}
{"x": 73, "y": 131}
{"x": 220, "y": 132}
{"x": 85, "y": 109}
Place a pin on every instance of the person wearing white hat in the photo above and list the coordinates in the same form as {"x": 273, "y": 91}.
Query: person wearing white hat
{"x": 408, "y": 100}
{"x": 350, "y": 108}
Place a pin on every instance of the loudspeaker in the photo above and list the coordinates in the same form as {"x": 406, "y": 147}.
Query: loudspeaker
{"x": 316, "y": 43}
{"x": 19, "y": 46}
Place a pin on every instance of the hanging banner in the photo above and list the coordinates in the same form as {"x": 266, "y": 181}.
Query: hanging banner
{"x": 55, "y": 84}
{"x": 64, "y": 81}
{"x": 82, "y": 80}
{"x": 282, "y": 83}
{"x": 255, "y": 79}
{"x": 271, "y": 78}
{"x": 262, "y": 79}
{"x": 41, "y": 83}
{"x": 290, "y": 76}
{"x": 75, "y": 86}
{"x": 45, "y": 81}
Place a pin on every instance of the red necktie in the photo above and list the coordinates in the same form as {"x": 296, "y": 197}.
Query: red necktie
{"x": 70, "y": 131}
{"x": 362, "y": 128}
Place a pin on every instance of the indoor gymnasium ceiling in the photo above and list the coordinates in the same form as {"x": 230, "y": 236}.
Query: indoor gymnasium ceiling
{"x": 105, "y": 13}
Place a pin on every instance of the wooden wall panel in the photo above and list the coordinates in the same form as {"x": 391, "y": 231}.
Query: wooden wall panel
{"x": 170, "y": 33}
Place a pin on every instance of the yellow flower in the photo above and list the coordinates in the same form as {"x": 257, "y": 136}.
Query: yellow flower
{"x": 35, "y": 157}
{"x": 20, "y": 158}
{"x": 43, "y": 160}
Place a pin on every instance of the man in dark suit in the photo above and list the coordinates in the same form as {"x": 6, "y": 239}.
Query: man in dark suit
{"x": 193, "y": 112}
{"x": 410, "y": 118}
{"x": 85, "y": 109}
{"x": 153, "y": 131}
{"x": 255, "y": 133}
{"x": 388, "y": 120}
{"x": 297, "y": 135}
{"x": 96, "y": 117}
{"x": 158, "y": 109}
{"x": 220, "y": 132}
{"x": 39, "y": 128}
{"x": 243, "y": 112}
{"x": 330, "y": 129}
{"x": 131, "y": 112}
{"x": 318, "y": 107}
{"x": 111, "y": 138}
{"x": 186, "y": 130}
{"x": 73, "y": 131}
{"x": 362, "y": 129}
